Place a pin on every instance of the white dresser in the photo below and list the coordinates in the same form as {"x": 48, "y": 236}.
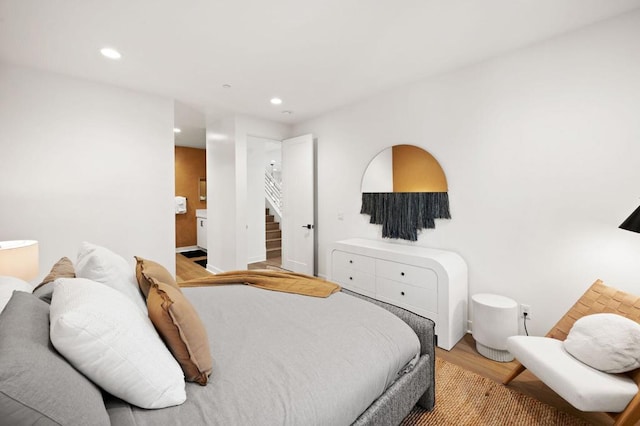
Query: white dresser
{"x": 429, "y": 282}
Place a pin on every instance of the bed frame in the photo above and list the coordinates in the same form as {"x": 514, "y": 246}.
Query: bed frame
{"x": 416, "y": 386}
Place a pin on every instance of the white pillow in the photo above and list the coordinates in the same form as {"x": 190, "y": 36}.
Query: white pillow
{"x": 606, "y": 342}
{"x": 103, "y": 335}
{"x": 104, "y": 266}
{"x": 8, "y": 285}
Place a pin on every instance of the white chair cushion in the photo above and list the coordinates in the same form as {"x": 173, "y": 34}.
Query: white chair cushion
{"x": 607, "y": 342}
{"x": 586, "y": 388}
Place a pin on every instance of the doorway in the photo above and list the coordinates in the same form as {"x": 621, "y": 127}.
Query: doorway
{"x": 281, "y": 190}
{"x": 264, "y": 203}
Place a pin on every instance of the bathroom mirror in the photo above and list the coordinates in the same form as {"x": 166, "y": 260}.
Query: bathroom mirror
{"x": 404, "y": 189}
{"x": 404, "y": 168}
{"x": 202, "y": 188}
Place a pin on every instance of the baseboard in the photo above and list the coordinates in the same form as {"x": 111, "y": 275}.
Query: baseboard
{"x": 213, "y": 269}
{"x": 188, "y": 248}
{"x": 469, "y": 327}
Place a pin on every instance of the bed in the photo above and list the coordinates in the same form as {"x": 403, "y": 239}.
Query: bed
{"x": 278, "y": 359}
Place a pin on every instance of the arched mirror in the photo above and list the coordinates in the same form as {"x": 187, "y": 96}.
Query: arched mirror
{"x": 202, "y": 188}
{"x": 404, "y": 168}
{"x": 404, "y": 189}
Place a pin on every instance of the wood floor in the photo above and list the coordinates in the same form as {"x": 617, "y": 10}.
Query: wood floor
{"x": 186, "y": 269}
{"x": 274, "y": 261}
{"x": 463, "y": 354}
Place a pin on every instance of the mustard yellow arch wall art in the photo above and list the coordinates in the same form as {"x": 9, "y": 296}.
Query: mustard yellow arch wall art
{"x": 404, "y": 189}
{"x": 415, "y": 170}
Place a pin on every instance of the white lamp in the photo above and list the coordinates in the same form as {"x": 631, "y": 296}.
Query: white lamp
{"x": 19, "y": 259}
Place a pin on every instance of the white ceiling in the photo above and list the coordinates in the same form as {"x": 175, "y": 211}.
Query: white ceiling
{"x": 316, "y": 55}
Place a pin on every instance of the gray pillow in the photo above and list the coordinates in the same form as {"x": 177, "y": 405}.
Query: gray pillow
{"x": 44, "y": 291}
{"x": 37, "y": 385}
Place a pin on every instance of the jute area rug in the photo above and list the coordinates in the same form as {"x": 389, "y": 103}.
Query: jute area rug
{"x": 466, "y": 398}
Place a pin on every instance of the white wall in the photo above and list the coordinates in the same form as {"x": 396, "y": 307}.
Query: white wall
{"x": 221, "y": 195}
{"x": 256, "y": 154}
{"x": 81, "y": 161}
{"x": 540, "y": 148}
{"x": 227, "y": 190}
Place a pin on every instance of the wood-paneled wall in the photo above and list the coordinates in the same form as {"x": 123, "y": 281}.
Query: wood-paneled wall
{"x": 190, "y": 166}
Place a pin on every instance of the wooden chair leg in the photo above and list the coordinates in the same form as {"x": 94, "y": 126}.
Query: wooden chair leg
{"x": 630, "y": 415}
{"x": 519, "y": 368}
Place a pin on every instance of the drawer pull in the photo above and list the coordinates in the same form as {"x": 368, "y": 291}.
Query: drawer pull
{"x": 402, "y": 293}
{"x": 350, "y": 261}
{"x": 351, "y": 278}
{"x": 402, "y": 273}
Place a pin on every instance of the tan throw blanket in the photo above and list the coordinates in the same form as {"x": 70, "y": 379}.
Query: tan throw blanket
{"x": 287, "y": 282}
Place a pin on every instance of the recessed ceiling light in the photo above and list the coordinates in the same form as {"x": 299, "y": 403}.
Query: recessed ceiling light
{"x": 176, "y": 130}
{"x": 110, "y": 53}
{"x": 276, "y": 101}
{"x": 287, "y": 112}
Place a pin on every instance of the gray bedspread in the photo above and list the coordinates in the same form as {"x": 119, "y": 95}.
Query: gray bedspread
{"x": 286, "y": 359}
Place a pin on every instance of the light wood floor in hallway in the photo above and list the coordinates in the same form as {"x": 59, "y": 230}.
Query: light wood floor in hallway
{"x": 187, "y": 269}
{"x": 463, "y": 354}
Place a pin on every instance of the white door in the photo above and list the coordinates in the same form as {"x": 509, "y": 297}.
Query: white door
{"x": 298, "y": 207}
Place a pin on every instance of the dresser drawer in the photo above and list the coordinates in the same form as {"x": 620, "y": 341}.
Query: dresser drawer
{"x": 424, "y": 299}
{"x": 355, "y": 280}
{"x": 407, "y": 274}
{"x": 357, "y": 262}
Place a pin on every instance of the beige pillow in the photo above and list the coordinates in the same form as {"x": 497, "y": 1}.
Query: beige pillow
{"x": 147, "y": 269}
{"x": 181, "y": 329}
{"x": 62, "y": 269}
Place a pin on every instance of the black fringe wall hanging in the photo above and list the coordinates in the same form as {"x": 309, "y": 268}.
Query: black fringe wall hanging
{"x": 402, "y": 214}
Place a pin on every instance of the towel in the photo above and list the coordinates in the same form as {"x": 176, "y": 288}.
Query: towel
{"x": 181, "y": 205}
{"x": 288, "y": 282}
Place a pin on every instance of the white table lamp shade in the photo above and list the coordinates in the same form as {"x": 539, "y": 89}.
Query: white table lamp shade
{"x": 19, "y": 259}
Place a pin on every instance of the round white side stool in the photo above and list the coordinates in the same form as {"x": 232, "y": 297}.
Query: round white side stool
{"x": 494, "y": 319}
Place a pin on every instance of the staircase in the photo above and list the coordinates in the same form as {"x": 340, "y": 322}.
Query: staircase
{"x": 273, "y": 236}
